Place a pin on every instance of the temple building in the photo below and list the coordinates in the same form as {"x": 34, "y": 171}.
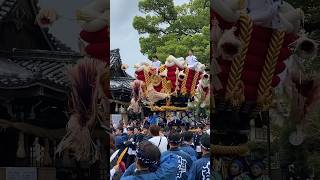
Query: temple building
{"x": 34, "y": 92}
{"x": 120, "y": 88}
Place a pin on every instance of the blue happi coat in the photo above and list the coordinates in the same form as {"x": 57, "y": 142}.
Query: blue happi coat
{"x": 166, "y": 171}
{"x": 189, "y": 150}
{"x": 201, "y": 169}
{"x": 120, "y": 141}
{"x": 184, "y": 163}
{"x": 153, "y": 119}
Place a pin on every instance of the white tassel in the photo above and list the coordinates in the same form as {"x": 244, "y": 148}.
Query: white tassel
{"x": 181, "y": 75}
{"x": 21, "y": 152}
{"x": 164, "y": 73}
{"x": 229, "y": 45}
{"x": 306, "y": 48}
{"x": 224, "y": 9}
{"x": 37, "y": 150}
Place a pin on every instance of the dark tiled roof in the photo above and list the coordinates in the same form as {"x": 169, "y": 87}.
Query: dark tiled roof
{"x": 7, "y": 5}
{"x": 115, "y": 65}
{"x": 26, "y": 67}
{"x": 56, "y": 44}
{"x": 39, "y": 66}
{"x": 119, "y": 79}
{"x": 120, "y": 83}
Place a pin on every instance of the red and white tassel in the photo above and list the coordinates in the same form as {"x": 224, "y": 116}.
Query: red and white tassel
{"x": 229, "y": 45}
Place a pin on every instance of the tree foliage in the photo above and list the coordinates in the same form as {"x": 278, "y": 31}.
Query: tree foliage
{"x": 167, "y": 29}
{"x": 305, "y": 156}
{"x": 311, "y": 10}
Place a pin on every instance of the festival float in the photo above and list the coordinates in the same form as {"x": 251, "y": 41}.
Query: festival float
{"x": 88, "y": 79}
{"x": 172, "y": 90}
{"x": 252, "y": 41}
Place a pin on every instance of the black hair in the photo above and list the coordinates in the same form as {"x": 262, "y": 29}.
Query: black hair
{"x": 130, "y": 128}
{"x": 150, "y": 152}
{"x": 120, "y": 128}
{"x": 178, "y": 129}
{"x": 154, "y": 130}
{"x": 187, "y": 136}
{"x": 174, "y": 138}
{"x": 139, "y": 129}
{"x": 205, "y": 141}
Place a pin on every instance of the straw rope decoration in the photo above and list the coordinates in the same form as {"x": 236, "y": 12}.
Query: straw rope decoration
{"x": 235, "y": 85}
{"x": 194, "y": 84}
{"x": 265, "y": 89}
{"x": 184, "y": 82}
{"x": 240, "y": 150}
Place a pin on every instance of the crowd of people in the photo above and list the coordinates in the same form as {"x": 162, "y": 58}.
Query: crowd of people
{"x": 154, "y": 152}
{"x": 242, "y": 170}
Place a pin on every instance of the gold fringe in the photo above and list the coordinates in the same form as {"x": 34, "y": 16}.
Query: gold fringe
{"x": 194, "y": 84}
{"x": 167, "y": 108}
{"x": 184, "y": 82}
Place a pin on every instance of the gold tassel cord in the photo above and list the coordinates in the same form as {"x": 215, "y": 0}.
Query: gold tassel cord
{"x": 146, "y": 77}
{"x": 184, "y": 82}
{"x": 246, "y": 26}
{"x": 194, "y": 84}
{"x": 265, "y": 90}
{"x": 164, "y": 80}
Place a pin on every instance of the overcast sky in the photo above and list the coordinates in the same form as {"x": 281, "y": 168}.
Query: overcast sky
{"x": 122, "y": 33}
{"x": 66, "y": 29}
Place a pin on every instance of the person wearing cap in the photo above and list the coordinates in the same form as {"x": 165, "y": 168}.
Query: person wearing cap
{"x": 186, "y": 145}
{"x": 201, "y": 168}
{"x": 184, "y": 159}
{"x": 138, "y": 136}
{"x": 236, "y": 171}
{"x": 151, "y": 165}
{"x": 160, "y": 141}
{"x": 256, "y": 169}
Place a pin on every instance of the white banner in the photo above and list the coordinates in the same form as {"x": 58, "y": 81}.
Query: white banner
{"x": 116, "y": 118}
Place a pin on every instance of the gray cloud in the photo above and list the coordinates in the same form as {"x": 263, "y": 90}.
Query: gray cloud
{"x": 66, "y": 29}
{"x": 122, "y": 33}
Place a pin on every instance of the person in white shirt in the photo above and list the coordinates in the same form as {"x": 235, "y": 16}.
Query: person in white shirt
{"x": 160, "y": 141}
{"x": 192, "y": 60}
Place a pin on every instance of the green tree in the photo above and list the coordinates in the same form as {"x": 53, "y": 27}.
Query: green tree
{"x": 311, "y": 11}
{"x": 166, "y": 29}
